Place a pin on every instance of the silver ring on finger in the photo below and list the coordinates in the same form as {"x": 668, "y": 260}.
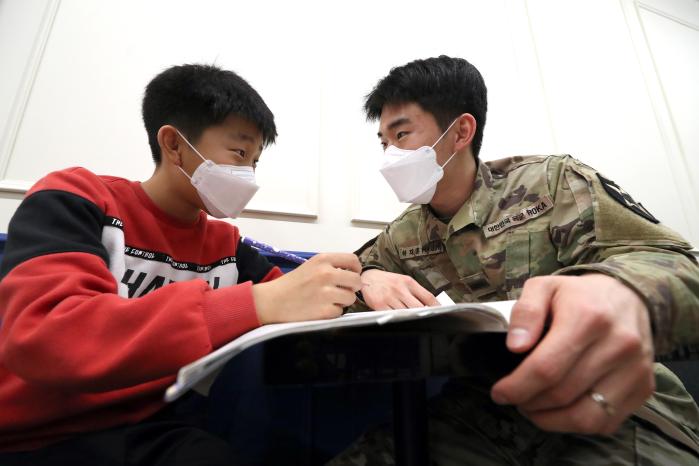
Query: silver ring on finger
{"x": 602, "y": 402}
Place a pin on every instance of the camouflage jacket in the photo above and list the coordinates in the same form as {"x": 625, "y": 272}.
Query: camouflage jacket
{"x": 543, "y": 215}
{"x": 553, "y": 215}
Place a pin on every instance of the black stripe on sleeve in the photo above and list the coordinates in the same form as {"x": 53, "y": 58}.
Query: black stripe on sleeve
{"x": 53, "y": 221}
{"x": 366, "y": 246}
{"x": 179, "y": 265}
{"x": 251, "y": 264}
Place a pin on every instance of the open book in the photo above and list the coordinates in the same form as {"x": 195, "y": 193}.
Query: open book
{"x": 472, "y": 317}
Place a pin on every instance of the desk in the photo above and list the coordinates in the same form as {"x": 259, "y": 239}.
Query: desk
{"x": 404, "y": 354}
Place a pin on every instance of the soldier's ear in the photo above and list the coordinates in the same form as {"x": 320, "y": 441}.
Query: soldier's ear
{"x": 465, "y": 130}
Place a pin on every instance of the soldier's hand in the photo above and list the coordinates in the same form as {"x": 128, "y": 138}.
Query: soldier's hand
{"x": 599, "y": 341}
{"x": 386, "y": 290}
{"x": 317, "y": 289}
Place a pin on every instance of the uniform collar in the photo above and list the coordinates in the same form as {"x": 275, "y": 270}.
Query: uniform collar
{"x": 474, "y": 211}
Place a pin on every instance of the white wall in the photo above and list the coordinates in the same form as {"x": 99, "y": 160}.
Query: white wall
{"x": 612, "y": 82}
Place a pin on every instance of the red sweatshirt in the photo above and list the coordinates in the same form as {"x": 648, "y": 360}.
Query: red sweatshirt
{"x": 103, "y": 297}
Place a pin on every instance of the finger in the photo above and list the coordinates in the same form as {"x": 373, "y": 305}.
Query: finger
{"x": 425, "y": 297}
{"x": 334, "y": 310}
{"x": 597, "y": 361}
{"x": 394, "y": 303}
{"x": 624, "y": 391}
{"x": 340, "y": 260}
{"x": 627, "y": 398}
{"x": 341, "y": 296}
{"x": 410, "y": 301}
{"x": 379, "y": 301}
{"x": 347, "y": 279}
{"x": 575, "y": 384}
{"x": 549, "y": 363}
{"x": 530, "y": 312}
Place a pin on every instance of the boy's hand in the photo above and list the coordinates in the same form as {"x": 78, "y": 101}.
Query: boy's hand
{"x": 386, "y": 290}
{"x": 317, "y": 289}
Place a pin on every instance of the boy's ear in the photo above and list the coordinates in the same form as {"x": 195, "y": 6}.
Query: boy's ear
{"x": 465, "y": 131}
{"x": 170, "y": 145}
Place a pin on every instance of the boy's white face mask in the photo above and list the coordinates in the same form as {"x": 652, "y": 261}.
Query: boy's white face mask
{"x": 225, "y": 190}
{"x": 413, "y": 174}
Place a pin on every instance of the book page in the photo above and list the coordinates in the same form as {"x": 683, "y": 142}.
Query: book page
{"x": 482, "y": 317}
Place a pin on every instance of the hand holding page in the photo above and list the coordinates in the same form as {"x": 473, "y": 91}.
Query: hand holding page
{"x": 463, "y": 317}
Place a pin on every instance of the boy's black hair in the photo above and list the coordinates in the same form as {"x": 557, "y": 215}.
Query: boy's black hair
{"x": 195, "y": 97}
{"x": 444, "y": 86}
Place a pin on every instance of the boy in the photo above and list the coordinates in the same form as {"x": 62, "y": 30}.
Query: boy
{"x": 109, "y": 286}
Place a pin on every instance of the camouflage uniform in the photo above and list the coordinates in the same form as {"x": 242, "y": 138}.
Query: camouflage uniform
{"x": 544, "y": 215}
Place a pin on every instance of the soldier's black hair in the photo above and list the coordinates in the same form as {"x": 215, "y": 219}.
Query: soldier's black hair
{"x": 444, "y": 86}
{"x": 195, "y": 97}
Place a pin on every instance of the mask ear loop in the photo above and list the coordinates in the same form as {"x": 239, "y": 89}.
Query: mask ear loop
{"x": 444, "y": 133}
{"x": 442, "y": 136}
{"x": 193, "y": 148}
{"x": 449, "y": 159}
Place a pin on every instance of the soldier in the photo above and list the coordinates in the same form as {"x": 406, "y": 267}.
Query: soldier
{"x": 612, "y": 285}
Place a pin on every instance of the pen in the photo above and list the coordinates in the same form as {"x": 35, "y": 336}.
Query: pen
{"x": 272, "y": 250}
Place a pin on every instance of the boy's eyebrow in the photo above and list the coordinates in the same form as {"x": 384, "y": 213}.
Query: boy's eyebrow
{"x": 395, "y": 123}
{"x": 244, "y": 137}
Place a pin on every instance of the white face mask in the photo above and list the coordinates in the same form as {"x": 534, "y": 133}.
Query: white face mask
{"x": 225, "y": 190}
{"x": 413, "y": 174}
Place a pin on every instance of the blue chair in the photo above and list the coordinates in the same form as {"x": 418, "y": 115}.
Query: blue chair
{"x": 284, "y": 264}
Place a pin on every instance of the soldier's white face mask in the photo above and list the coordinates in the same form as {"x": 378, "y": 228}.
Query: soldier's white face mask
{"x": 413, "y": 174}
{"x": 225, "y": 190}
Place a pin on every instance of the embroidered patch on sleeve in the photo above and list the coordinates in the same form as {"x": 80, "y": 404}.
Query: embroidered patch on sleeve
{"x": 623, "y": 198}
{"x": 539, "y": 208}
